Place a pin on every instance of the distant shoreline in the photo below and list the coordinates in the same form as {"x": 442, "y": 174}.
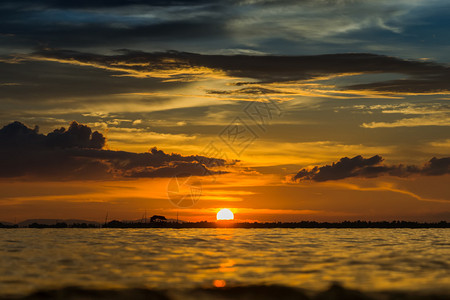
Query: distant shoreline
{"x": 232, "y": 224}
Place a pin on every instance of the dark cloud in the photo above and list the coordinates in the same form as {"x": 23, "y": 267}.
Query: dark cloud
{"x": 418, "y": 83}
{"x": 109, "y": 35}
{"x": 437, "y": 166}
{"x": 104, "y": 3}
{"x": 69, "y": 86}
{"x": 78, "y": 153}
{"x": 107, "y": 24}
{"x": 371, "y": 167}
{"x": 285, "y": 26}
{"x": 77, "y": 135}
{"x": 190, "y": 168}
{"x": 424, "y": 77}
{"x": 246, "y": 91}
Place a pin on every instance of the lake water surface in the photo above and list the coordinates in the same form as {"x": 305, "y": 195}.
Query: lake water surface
{"x": 364, "y": 259}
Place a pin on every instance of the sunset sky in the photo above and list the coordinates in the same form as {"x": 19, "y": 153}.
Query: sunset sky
{"x": 278, "y": 110}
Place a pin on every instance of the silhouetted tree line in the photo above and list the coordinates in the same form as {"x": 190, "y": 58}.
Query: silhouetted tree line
{"x": 303, "y": 224}
{"x": 8, "y": 226}
{"x": 63, "y": 225}
{"x": 345, "y": 224}
{"x": 162, "y": 223}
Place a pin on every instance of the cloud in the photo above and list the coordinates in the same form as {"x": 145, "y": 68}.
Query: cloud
{"x": 423, "y": 77}
{"x": 426, "y": 114}
{"x": 247, "y": 90}
{"x": 108, "y": 24}
{"x": 77, "y": 153}
{"x": 77, "y": 135}
{"x": 190, "y": 168}
{"x": 370, "y": 168}
{"x": 433, "y": 120}
{"x": 400, "y": 27}
{"x": 107, "y": 3}
{"x": 408, "y": 108}
{"x": 68, "y": 83}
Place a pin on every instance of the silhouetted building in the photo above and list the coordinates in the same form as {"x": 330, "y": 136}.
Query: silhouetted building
{"x": 157, "y": 218}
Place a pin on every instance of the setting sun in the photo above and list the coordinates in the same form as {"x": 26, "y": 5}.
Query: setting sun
{"x": 225, "y": 214}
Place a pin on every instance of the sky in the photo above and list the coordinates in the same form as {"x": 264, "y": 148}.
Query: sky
{"x": 279, "y": 110}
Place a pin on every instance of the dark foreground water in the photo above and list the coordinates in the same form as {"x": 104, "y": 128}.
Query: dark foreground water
{"x": 250, "y": 263}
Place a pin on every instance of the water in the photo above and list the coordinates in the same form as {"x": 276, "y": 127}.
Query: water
{"x": 364, "y": 259}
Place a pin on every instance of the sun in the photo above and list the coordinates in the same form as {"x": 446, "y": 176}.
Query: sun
{"x": 225, "y": 214}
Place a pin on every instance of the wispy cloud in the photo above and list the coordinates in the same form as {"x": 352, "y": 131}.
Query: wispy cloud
{"x": 390, "y": 187}
{"x": 408, "y": 108}
{"x": 432, "y": 120}
{"x": 423, "y": 77}
{"x": 429, "y": 114}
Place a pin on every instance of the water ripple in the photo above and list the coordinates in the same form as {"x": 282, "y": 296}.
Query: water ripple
{"x": 366, "y": 259}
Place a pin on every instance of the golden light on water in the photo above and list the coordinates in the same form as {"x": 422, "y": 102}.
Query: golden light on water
{"x": 225, "y": 214}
